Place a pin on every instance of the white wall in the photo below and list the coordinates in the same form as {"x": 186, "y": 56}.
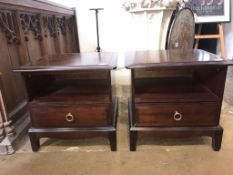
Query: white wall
{"x": 119, "y": 30}
{"x": 228, "y": 32}
{"x": 113, "y": 24}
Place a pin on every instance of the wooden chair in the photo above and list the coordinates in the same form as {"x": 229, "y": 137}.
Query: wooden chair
{"x": 219, "y": 35}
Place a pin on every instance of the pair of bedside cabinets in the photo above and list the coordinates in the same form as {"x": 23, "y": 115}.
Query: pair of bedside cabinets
{"x": 174, "y": 93}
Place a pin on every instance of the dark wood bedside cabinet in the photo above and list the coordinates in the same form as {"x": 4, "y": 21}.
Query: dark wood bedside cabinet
{"x": 70, "y": 96}
{"x": 176, "y": 93}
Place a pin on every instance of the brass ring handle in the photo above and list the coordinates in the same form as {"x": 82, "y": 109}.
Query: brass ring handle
{"x": 177, "y": 116}
{"x": 69, "y": 117}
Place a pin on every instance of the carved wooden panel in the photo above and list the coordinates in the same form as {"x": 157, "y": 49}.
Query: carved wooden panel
{"x": 61, "y": 25}
{"x": 50, "y": 26}
{"x": 31, "y": 23}
{"x": 27, "y": 32}
{"x": 13, "y": 88}
{"x": 54, "y": 25}
{"x": 8, "y": 26}
{"x": 59, "y": 34}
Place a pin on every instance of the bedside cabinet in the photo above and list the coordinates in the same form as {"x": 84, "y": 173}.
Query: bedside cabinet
{"x": 71, "y": 95}
{"x": 176, "y": 94}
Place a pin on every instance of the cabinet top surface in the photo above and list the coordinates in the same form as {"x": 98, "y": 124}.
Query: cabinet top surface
{"x": 72, "y": 62}
{"x": 172, "y": 58}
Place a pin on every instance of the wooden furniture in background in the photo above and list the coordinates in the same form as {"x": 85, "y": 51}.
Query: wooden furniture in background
{"x": 30, "y": 30}
{"x": 2, "y": 132}
{"x": 70, "y": 95}
{"x": 219, "y": 35}
{"x": 6, "y": 131}
{"x": 176, "y": 94}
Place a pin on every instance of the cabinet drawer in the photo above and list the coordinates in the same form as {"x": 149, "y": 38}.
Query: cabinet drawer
{"x": 177, "y": 114}
{"x": 48, "y": 115}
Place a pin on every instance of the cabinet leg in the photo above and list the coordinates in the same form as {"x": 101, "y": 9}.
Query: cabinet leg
{"x": 217, "y": 139}
{"x": 113, "y": 140}
{"x": 35, "y": 142}
{"x": 133, "y": 140}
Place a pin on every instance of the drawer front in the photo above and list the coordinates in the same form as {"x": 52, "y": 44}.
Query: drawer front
{"x": 69, "y": 116}
{"x": 177, "y": 114}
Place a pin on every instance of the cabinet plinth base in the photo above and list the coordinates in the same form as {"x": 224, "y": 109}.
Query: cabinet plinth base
{"x": 215, "y": 132}
{"x": 74, "y": 133}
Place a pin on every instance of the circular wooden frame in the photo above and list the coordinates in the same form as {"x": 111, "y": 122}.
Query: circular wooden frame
{"x": 181, "y": 30}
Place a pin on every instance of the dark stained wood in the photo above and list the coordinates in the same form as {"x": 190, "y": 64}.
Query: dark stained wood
{"x": 215, "y": 132}
{"x": 12, "y": 87}
{"x": 36, "y": 6}
{"x": 172, "y": 58}
{"x": 81, "y": 91}
{"x": 78, "y": 132}
{"x": 26, "y": 36}
{"x": 54, "y": 115}
{"x": 35, "y": 141}
{"x": 175, "y": 94}
{"x": 23, "y": 56}
{"x": 209, "y": 77}
{"x": 172, "y": 89}
{"x": 217, "y": 139}
{"x": 2, "y": 133}
{"x": 71, "y": 94}
{"x": 193, "y": 114}
{"x": 74, "y": 31}
{"x": 72, "y": 62}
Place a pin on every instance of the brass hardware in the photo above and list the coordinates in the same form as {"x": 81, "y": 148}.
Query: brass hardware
{"x": 69, "y": 117}
{"x": 177, "y": 116}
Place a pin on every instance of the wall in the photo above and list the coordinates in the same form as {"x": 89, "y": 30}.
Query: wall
{"x": 228, "y": 30}
{"x": 116, "y": 27}
{"x": 113, "y": 24}
{"x": 119, "y": 31}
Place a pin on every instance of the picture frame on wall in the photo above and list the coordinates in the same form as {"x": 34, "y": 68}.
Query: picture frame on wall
{"x": 208, "y": 11}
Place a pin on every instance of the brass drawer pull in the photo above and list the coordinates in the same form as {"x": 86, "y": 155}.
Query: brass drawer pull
{"x": 177, "y": 116}
{"x": 69, "y": 117}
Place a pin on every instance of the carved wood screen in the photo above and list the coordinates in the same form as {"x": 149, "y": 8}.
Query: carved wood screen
{"x": 29, "y": 30}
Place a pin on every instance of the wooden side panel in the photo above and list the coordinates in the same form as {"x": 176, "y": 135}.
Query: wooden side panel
{"x": 13, "y": 87}
{"x": 26, "y": 36}
{"x": 33, "y": 47}
{"x": 213, "y": 78}
{"x": 18, "y": 94}
{"x": 5, "y": 67}
{"x": 36, "y": 5}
